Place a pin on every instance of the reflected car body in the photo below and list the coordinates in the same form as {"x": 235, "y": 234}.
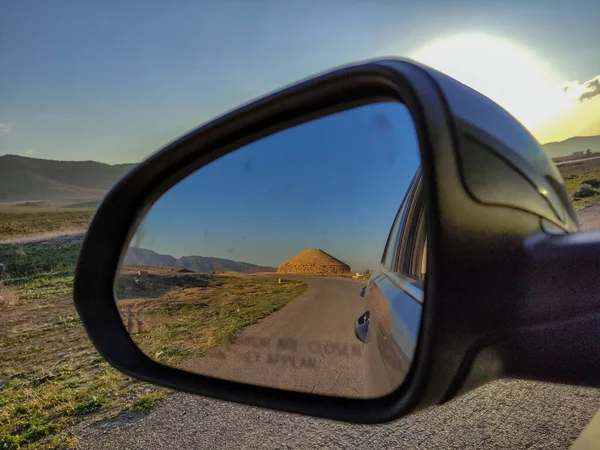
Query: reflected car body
{"x": 389, "y": 328}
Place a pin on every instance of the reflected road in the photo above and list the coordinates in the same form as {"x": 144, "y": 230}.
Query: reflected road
{"x": 308, "y": 345}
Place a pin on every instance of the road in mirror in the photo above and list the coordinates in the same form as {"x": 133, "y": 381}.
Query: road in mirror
{"x": 251, "y": 268}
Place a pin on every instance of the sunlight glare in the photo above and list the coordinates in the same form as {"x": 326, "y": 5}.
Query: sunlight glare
{"x": 504, "y": 72}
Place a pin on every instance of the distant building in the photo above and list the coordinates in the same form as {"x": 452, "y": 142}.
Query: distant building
{"x": 579, "y": 153}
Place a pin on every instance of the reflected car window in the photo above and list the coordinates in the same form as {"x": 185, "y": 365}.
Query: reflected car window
{"x": 424, "y": 261}
{"x": 390, "y": 250}
{"x": 419, "y": 256}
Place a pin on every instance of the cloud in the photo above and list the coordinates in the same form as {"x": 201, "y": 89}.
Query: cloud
{"x": 583, "y": 91}
{"x": 593, "y": 89}
{"x": 4, "y": 127}
{"x": 29, "y": 151}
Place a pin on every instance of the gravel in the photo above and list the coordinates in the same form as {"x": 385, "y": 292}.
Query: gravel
{"x": 504, "y": 414}
{"x": 589, "y": 218}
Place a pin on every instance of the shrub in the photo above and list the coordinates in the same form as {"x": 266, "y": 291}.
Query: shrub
{"x": 585, "y": 192}
{"x": 35, "y": 259}
{"x": 592, "y": 182}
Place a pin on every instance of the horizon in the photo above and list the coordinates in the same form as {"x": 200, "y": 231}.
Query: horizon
{"x": 114, "y": 90}
{"x": 137, "y": 162}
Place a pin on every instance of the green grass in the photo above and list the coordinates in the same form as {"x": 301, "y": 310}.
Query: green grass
{"x": 45, "y": 287}
{"x": 582, "y": 203}
{"x": 148, "y": 402}
{"x": 19, "y": 222}
{"x": 36, "y": 261}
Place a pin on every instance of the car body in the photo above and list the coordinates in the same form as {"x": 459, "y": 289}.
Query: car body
{"x": 389, "y": 328}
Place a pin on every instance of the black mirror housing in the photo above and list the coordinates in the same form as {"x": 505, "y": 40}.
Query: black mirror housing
{"x": 490, "y": 190}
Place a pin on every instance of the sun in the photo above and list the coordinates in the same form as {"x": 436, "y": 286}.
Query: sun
{"x": 505, "y": 72}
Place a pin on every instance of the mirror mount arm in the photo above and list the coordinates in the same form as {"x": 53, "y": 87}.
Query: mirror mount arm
{"x": 556, "y": 327}
{"x": 557, "y": 330}
{"x": 563, "y": 277}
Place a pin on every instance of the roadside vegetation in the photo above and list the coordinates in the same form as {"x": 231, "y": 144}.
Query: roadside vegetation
{"x": 582, "y": 181}
{"x": 52, "y": 378}
{"x": 16, "y": 222}
{"x": 177, "y": 316}
{"x": 583, "y": 189}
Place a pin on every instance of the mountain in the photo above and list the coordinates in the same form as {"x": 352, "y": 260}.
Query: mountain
{"x": 84, "y": 183}
{"x": 59, "y": 182}
{"x": 574, "y": 144}
{"x": 144, "y": 257}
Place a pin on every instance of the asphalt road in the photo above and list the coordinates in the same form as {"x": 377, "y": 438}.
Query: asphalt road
{"x": 499, "y": 415}
{"x": 308, "y": 345}
{"x": 504, "y": 414}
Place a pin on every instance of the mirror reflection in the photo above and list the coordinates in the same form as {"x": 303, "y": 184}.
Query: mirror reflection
{"x": 295, "y": 262}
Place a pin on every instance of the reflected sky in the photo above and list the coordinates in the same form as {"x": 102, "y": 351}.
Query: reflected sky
{"x": 335, "y": 183}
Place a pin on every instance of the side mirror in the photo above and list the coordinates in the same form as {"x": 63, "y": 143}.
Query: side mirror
{"x": 361, "y": 329}
{"x": 228, "y": 263}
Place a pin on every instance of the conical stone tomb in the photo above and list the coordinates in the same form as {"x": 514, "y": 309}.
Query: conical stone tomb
{"x": 314, "y": 261}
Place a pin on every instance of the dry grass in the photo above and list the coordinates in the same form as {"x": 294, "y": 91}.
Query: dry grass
{"x": 173, "y": 317}
{"x": 16, "y": 222}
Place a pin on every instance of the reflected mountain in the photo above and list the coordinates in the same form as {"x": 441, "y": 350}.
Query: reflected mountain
{"x": 204, "y": 264}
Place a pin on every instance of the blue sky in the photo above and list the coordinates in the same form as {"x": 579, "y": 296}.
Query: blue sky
{"x": 114, "y": 81}
{"x": 335, "y": 183}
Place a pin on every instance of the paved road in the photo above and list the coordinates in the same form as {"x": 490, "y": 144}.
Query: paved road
{"x": 499, "y": 415}
{"x": 308, "y": 345}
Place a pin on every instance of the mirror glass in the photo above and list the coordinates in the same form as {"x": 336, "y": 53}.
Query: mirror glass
{"x": 294, "y": 262}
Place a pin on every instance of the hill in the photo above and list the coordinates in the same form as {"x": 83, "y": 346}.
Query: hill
{"x": 574, "y": 144}
{"x": 24, "y": 179}
{"x": 144, "y": 257}
{"x": 82, "y": 184}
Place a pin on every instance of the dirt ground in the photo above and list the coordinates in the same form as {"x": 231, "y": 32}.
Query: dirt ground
{"x": 589, "y": 218}
{"x": 22, "y": 222}
{"x": 580, "y": 168}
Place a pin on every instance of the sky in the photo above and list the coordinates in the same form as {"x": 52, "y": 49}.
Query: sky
{"x": 335, "y": 183}
{"x": 114, "y": 81}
